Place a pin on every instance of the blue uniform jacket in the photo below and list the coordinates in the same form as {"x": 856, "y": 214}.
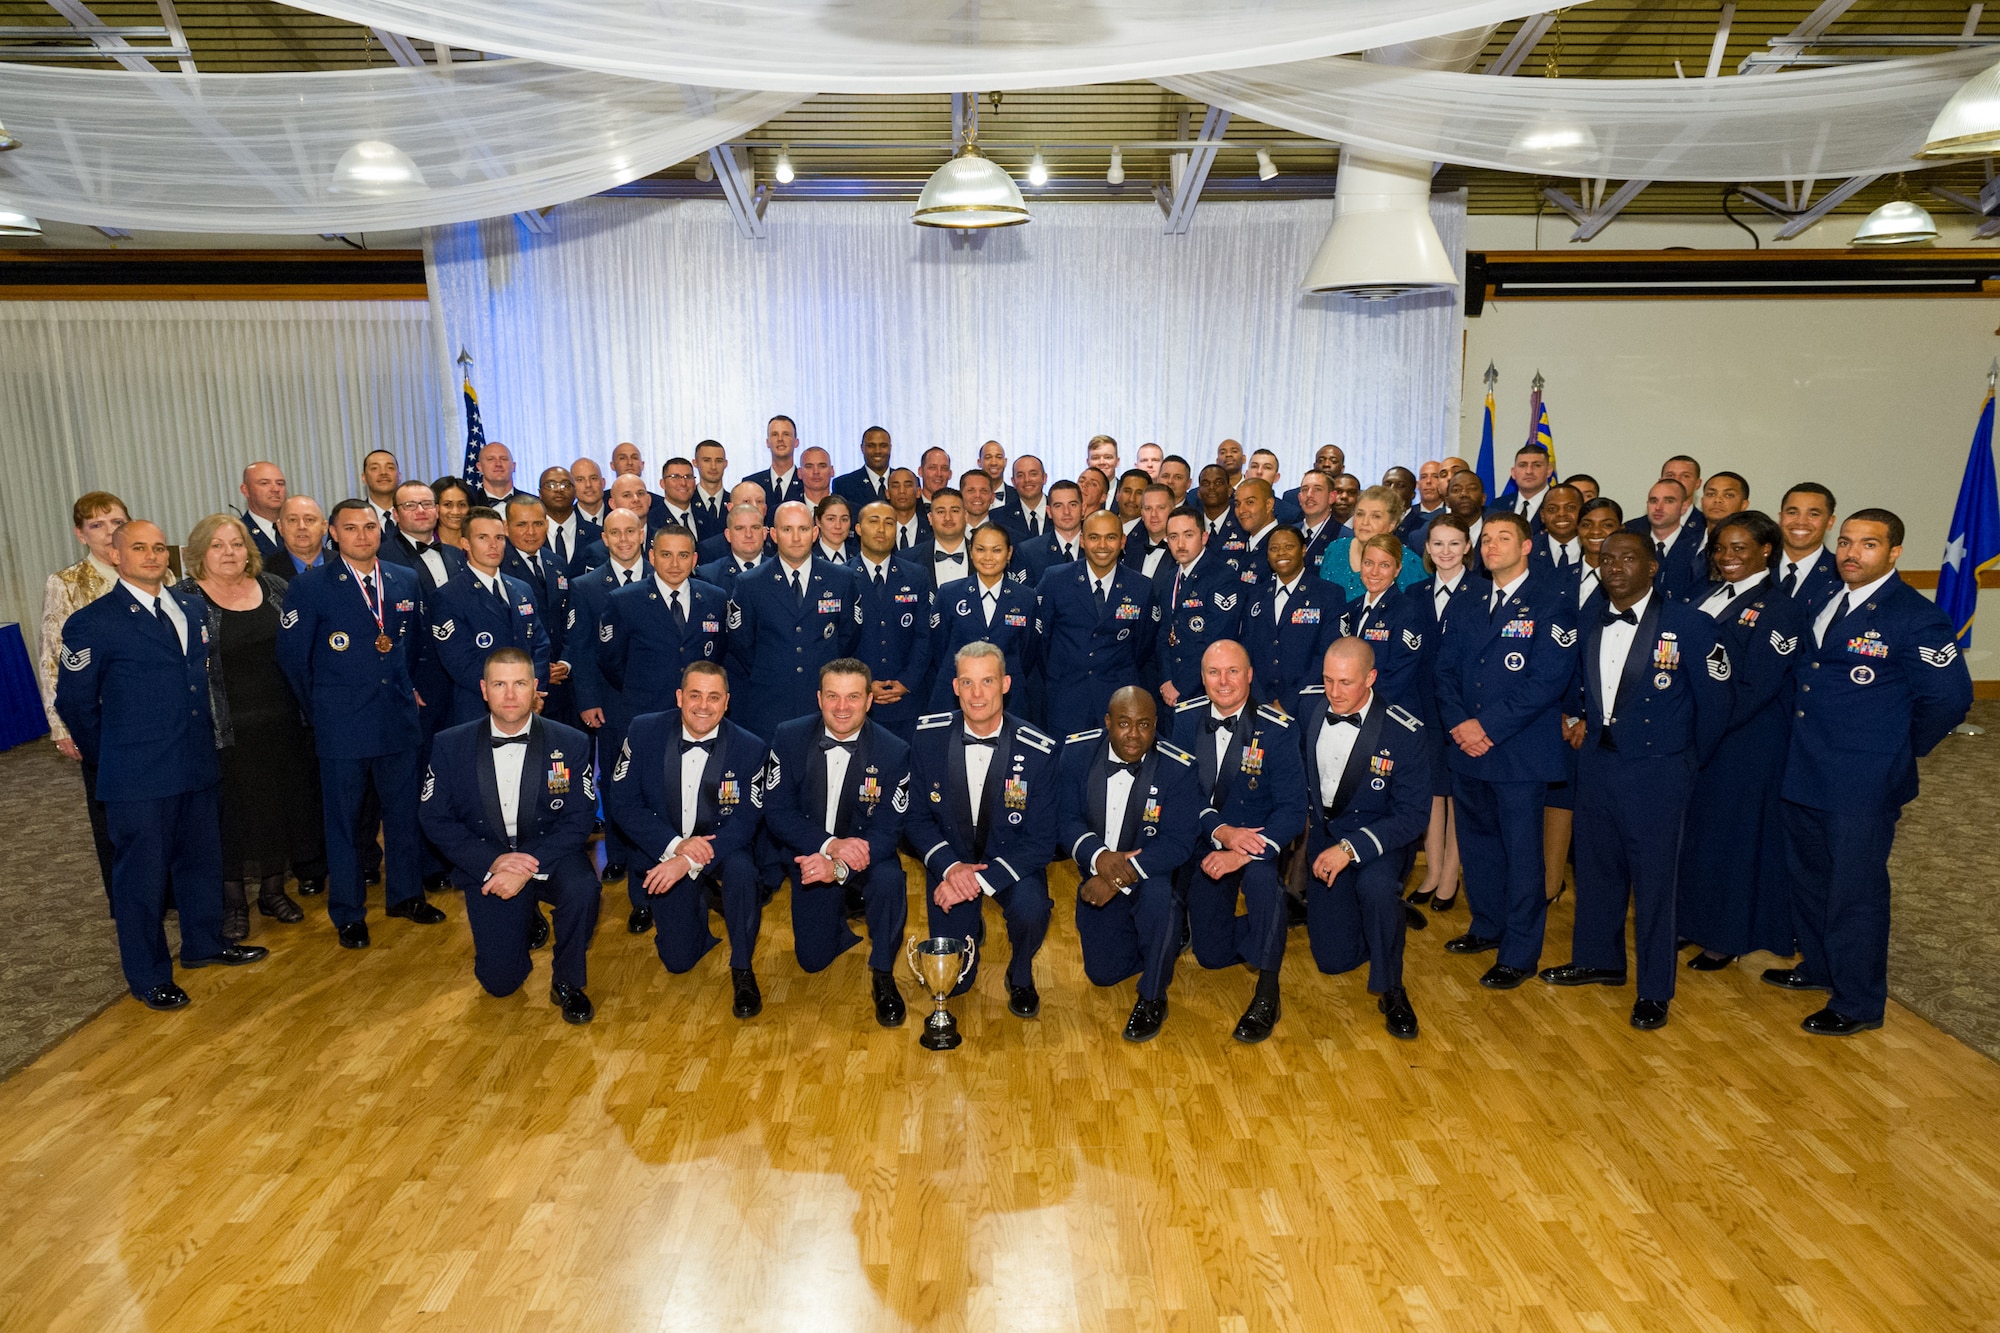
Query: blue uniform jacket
{"x": 589, "y": 594}
{"x": 1320, "y": 542}
{"x": 1209, "y": 605}
{"x": 460, "y": 803}
{"x": 956, "y": 620}
{"x": 1414, "y": 527}
{"x": 777, "y": 645}
{"x": 858, "y": 487}
{"x": 468, "y": 623}
{"x": 1089, "y": 654}
{"x": 1162, "y": 814}
{"x": 135, "y": 703}
{"x": 1674, "y": 694}
{"x": 716, "y": 548}
{"x": 1259, "y": 785}
{"x": 895, "y": 638}
{"x": 1040, "y": 554}
{"x": 1288, "y": 655}
{"x": 723, "y": 573}
{"x": 642, "y": 654}
{"x": 1139, "y": 544}
{"x": 362, "y": 702}
{"x": 1019, "y": 798}
{"x": 1886, "y": 686}
{"x": 551, "y": 594}
{"x": 1401, "y": 628}
{"x": 1512, "y": 672}
{"x": 1820, "y": 585}
{"x": 873, "y": 800}
{"x": 1471, "y": 593}
{"x": 1763, "y": 631}
{"x": 1382, "y": 803}
{"x": 795, "y": 488}
{"x": 643, "y": 797}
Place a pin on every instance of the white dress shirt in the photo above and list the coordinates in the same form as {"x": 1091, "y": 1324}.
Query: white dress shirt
{"x": 1256, "y": 540}
{"x": 1035, "y": 519}
{"x": 625, "y": 574}
{"x": 1070, "y": 547}
{"x": 1153, "y": 559}
{"x": 1282, "y": 596}
{"x": 907, "y": 534}
{"x": 507, "y": 761}
{"x": 383, "y": 517}
{"x": 780, "y": 484}
{"x": 1613, "y": 647}
{"x": 1565, "y": 553}
{"x": 1478, "y": 526}
{"x": 1664, "y": 545}
{"x": 978, "y": 762}
{"x": 168, "y": 607}
{"x": 1718, "y": 601}
{"x": 265, "y": 526}
{"x": 566, "y": 530}
{"x": 1850, "y": 598}
{"x": 1101, "y": 587}
{"x": 494, "y": 501}
{"x": 684, "y": 517}
{"x": 943, "y": 572}
{"x": 836, "y": 778}
{"x": 870, "y": 571}
{"x": 1132, "y": 523}
{"x": 1220, "y": 740}
{"x": 1503, "y": 591}
{"x": 1445, "y": 588}
{"x": 798, "y": 578}
{"x": 1586, "y": 583}
{"x": 1788, "y": 567}
{"x": 1117, "y": 795}
{"x": 989, "y": 598}
{"x": 694, "y": 763}
{"x": 491, "y": 583}
{"x": 1336, "y": 744}
{"x": 1527, "y": 506}
{"x": 675, "y": 597}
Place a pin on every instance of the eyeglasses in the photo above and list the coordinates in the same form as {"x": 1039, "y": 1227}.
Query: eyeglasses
{"x": 416, "y": 506}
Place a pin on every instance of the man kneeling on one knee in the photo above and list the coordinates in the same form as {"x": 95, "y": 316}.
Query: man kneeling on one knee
{"x": 509, "y": 801}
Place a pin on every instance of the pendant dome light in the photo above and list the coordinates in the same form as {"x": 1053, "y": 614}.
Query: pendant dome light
{"x": 970, "y": 191}
{"x": 375, "y": 168}
{"x": 1898, "y": 222}
{"x": 13, "y": 222}
{"x": 1969, "y": 124}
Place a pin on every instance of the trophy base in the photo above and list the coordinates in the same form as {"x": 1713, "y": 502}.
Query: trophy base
{"x": 940, "y": 1036}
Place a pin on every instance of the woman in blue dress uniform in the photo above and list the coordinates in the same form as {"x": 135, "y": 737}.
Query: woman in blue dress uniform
{"x": 960, "y": 612}
{"x": 1452, "y": 583}
{"x": 1734, "y": 896}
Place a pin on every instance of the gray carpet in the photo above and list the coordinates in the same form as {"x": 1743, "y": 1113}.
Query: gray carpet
{"x": 61, "y": 966}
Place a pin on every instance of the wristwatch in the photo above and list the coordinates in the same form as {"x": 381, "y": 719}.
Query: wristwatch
{"x": 1348, "y": 847}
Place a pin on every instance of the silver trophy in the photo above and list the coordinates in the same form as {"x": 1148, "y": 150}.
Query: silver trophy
{"x": 940, "y": 964}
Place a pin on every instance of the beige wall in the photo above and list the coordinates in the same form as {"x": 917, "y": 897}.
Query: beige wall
{"x": 1875, "y": 398}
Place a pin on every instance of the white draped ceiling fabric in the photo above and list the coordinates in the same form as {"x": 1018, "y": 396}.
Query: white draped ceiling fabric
{"x": 656, "y": 323}
{"x": 1845, "y": 121}
{"x": 258, "y": 152}
{"x": 909, "y": 46}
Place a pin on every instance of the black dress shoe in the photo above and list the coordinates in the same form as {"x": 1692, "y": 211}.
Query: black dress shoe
{"x": 1257, "y": 1021}
{"x": 613, "y": 870}
{"x": 437, "y": 881}
{"x": 1791, "y": 978}
{"x": 1502, "y": 977}
{"x": 1569, "y": 974}
{"x": 312, "y": 888}
{"x": 1023, "y": 1001}
{"x": 1147, "y": 1015}
{"x": 279, "y": 905}
{"x": 888, "y": 1000}
{"x": 232, "y": 955}
{"x": 371, "y": 878}
{"x": 1420, "y": 897}
{"x": 749, "y": 1000}
{"x": 538, "y": 930}
{"x": 640, "y": 921}
{"x": 1710, "y": 962}
{"x": 165, "y": 997}
{"x": 354, "y": 935}
{"x": 1649, "y": 1014}
{"x": 1414, "y": 918}
{"x": 235, "y": 921}
{"x": 1397, "y": 1014}
{"x": 1470, "y": 943}
{"x": 1827, "y": 1023}
{"x": 1444, "y": 904}
{"x": 417, "y": 910}
{"x": 576, "y": 1006}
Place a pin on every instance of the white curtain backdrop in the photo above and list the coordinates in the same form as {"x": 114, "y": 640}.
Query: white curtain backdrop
{"x": 659, "y": 324}
{"x": 165, "y": 402}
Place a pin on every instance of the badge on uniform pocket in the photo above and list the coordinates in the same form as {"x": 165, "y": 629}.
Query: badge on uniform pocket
{"x": 1862, "y": 675}
{"x": 1663, "y": 681}
{"x": 1514, "y": 661}
{"x": 337, "y": 641}
{"x": 482, "y": 640}
{"x": 1195, "y": 625}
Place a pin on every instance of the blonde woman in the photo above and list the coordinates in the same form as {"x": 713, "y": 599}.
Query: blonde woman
{"x": 270, "y": 798}
{"x": 1377, "y": 512}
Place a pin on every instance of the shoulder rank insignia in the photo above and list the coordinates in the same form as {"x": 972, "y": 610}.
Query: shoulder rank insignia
{"x": 76, "y": 661}
{"x": 1565, "y": 638}
{"x": 1273, "y": 713}
{"x": 288, "y": 619}
{"x": 1033, "y": 739}
{"x": 932, "y": 721}
{"x": 1783, "y": 646}
{"x": 1404, "y": 717}
{"x": 1938, "y": 657}
{"x": 1199, "y": 701}
{"x": 1413, "y": 641}
{"x": 1076, "y": 736}
{"x": 1313, "y": 689}
{"x": 1718, "y": 663}
{"x": 1175, "y": 753}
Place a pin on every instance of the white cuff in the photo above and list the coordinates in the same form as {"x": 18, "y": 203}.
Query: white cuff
{"x": 823, "y": 848}
{"x": 984, "y": 887}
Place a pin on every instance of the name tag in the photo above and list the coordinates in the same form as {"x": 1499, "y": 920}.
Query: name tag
{"x": 1518, "y": 629}
{"x": 1306, "y": 615}
{"x": 1127, "y": 611}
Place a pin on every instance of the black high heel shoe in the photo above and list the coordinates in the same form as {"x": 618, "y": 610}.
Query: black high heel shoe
{"x": 1420, "y": 897}
{"x": 1444, "y": 904}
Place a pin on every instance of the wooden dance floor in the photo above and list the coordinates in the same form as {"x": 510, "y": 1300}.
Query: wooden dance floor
{"x": 366, "y": 1141}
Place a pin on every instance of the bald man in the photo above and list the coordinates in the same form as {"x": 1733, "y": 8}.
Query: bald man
{"x": 263, "y": 491}
{"x": 496, "y": 477}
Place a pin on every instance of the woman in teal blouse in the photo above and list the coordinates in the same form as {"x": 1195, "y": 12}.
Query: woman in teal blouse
{"x": 1377, "y": 511}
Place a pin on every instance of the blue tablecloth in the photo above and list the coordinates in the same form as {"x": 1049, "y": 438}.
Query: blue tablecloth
{"x": 21, "y": 717}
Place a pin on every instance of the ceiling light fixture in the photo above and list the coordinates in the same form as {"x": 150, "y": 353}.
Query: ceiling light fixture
{"x": 1038, "y": 170}
{"x": 1382, "y": 243}
{"x": 373, "y": 167}
{"x": 1898, "y": 222}
{"x": 783, "y": 172}
{"x": 970, "y": 191}
{"x": 13, "y": 222}
{"x": 704, "y": 170}
{"x": 7, "y": 140}
{"x": 1969, "y": 124}
{"x": 1115, "y": 175}
{"x": 1266, "y": 168}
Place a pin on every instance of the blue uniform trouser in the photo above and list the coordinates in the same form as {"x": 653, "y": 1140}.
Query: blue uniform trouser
{"x": 169, "y": 841}
{"x": 342, "y": 782}
{"x": 1839, "y": 863}
{"x": 500, "y": 926}
{"x": 819, "y": 916}
{"x": 1629, "y": 815}
{"x": 1135, "y": 934}
{"x": 1500, "y": 844}
{"x": 1221, "y": 937}
{"x": 1026, "y": 907}
{"x": 1360, "y": 917}
{"x": 680, "y": 915}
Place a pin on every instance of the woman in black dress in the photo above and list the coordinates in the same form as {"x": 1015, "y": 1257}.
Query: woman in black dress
{"x": 270, "y": 776}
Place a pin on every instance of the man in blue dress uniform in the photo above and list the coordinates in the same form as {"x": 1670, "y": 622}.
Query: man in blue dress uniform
{"x": 687, "y": 793}
{"x": 1097, "y": 622}
{"x": 1061, "y": 541}
{"x": 1653, "y": 695}
{"x": 601, "y": 706}
{"x": 1677, "y": 555}
{"x": 1883, "y": 685}
{"x": 345, "y": 639}
{"x": 1248, "y": 767}
{"x": 529, "y": 559}
{"x": 869, "y": 482}
{"x": 509, "y": 801}
{"x": 896, "y": 616}
{"x": 1501, "y": 681}
{"x": 1294, "y": 617}
{"x": 743, "y": 548}
{"x": 1807, "y": 572}
{"x": 133, "y": 691}
{"x": 656, "y": 627}
{"x": 984, "y": 791}
{"x": 836, "y": 789}
{"x": 788, "y": 618}
{"x": 781, "y": 481}
{"x": 1368, "y": 800}
{"x": 1128, "y": 812}
{"x": 1202, "y": 600}
{"x": 480, "y": 609}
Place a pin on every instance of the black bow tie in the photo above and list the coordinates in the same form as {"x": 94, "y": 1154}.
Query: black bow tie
{"x": 1215, "y": 724}
{"x": 1351, "y": 719}
{"x": 952, "y": 555}
{"x": 1155, "y": 546}
{"x": 829, "y": 743}
{"x": 521, "y": 739}
{"x": 703, "y": 746}
{"x": 1116, "y": 766}
{"x": 1611, "y": 617}
{"x": 988, "y": 741}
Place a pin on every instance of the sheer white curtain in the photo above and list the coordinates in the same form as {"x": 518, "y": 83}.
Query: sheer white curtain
{"x": 657, "y": 323}
{"x": 165, "y": 402}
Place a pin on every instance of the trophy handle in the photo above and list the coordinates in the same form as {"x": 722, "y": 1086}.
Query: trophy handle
{"x": 971, "y": 958}
{"x": 910, "y": 956}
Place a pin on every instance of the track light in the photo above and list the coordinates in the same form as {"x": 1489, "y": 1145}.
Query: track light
{"x": 1266, "y": 168}
{"x": 783, "y": 172}
{"x": 1038, "y": 170}
{"x": 1116, "y": 174}
{"x": 704, "y": 170}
